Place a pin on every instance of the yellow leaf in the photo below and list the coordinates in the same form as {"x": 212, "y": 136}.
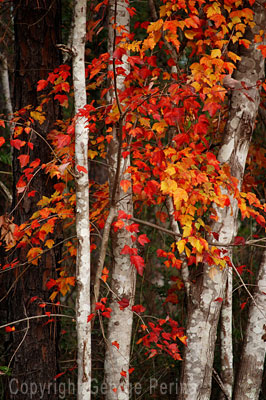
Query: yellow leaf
{"x": 196, "y": 243}
{"x": 53, "y": 296}
{"x": 216, "y": 53}
{"x": 92, "y": 154}
{"x": 181, "y": 245}
{"x": 38, "y": 116}
{"x": 186, "y": 231}
{"x": 168, "y": 186}
{"x": 44, "y": 201}
{"x": 159, "y": 126}
{"x": 190, "y": 34}
{"x": 49, "y": 243}
{"x": 196, "y": 86}
{"x": 188, "y": 252}
{"x": 213, "y": 9}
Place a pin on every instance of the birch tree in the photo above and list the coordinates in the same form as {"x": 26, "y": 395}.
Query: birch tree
{"x": 82, "y": 206}
{"x": 249, "y": 377}
{"x": 123, "y": 274}
{"x": 210, "y": 285}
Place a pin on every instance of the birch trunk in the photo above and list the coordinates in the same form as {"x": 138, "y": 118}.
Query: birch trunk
{"x": 249, "y": 377}
{"x": 227, "y": 371}
{"x": 82, "y": 207}
{"x": 124, "y": 274}
{"x": 204, "y": 314}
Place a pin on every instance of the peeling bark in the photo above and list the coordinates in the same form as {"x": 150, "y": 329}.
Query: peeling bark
{"x": 123, "y": 274}
{"x": 82, "y": 206}
{"x": 204, "y": 315}
{"x": 249, "y": 377}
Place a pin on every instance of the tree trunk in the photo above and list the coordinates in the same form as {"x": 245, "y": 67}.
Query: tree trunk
{"x": 33, "y": 345}
{"x": 249, "y": 377}
{"x": 123, "y": 274}
{"x": 83, "y": 308}
{"x": 204, "y": 314}
{"x": 227, "y": 372}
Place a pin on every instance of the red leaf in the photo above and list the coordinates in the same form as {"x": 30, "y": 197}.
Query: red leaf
{"x": 118, "y": 53}
{"x": 131, "y": 370}
{"x": 240, "y": 269}
{"x": 242, "y": 306}
{"x": 239, "y": 240}
{"x": 123, "y": 373}
{"x": 10, "y": 328}
{"x": 90, "y": 317}
{"x": 219, "y": 299}
{"x": 123, "y": 303}
{"x": 17, "y": 143}
{"x": 142, "y": 239}
{"x": 63, "y": 140}
{"x": 107, "y": 314}
{"x": 123, "y": 215}
{"x": 82, "y": 169}
{"x": 33, "y": 299}
{"x": 2, "y": 141}
{"x": 138, "y": 262}
{"x": 138, "y": 308}
{"x": 132, "y": 228}
{"x": 129, "y": 250}
{"x": 24, "y": 160}
{"x": 51, "y": 283}
{"x": 32, "y": 193}
{"x": 41, "y": 85}
{"x": 115, "y": 344}
{"x": 58, "y": 375}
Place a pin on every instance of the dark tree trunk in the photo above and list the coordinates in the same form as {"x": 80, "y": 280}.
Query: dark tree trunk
{"x": 33, "y": 344}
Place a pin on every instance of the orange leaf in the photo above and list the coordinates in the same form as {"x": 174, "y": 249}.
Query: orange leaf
{"x": 125, "y": 184}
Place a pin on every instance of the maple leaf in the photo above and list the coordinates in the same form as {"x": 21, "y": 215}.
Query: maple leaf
{"x": 118, "y": 53}
{"x": 142, "y": 239}
{"x": 125, "y": 184}
{"x": 90, "y": 317}
{"x": 138, "y": 308}
{"x": 24, "y": 160}
{"x": 138, "y": 262}
{"x": 41, "y": 85}
{"x": 2, "y": 141}
{"x": 123, "y": 303}
{"x": 80, "y": 168}
{"x": 17, "y": 143}
{"x": 63, "y": 140}
{"x": 123, "y": 215}
{"x": 10, "y": 329}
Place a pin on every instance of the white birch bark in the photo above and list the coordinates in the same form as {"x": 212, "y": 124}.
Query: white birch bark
{"x": 204, "y": 315}
{"x": 249, "y": 377}
{"x": 6, "y": 88}
{"x": 227, "y": 372}
{"x": 124, "y": 274}
{"x": 82, "y": 207}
